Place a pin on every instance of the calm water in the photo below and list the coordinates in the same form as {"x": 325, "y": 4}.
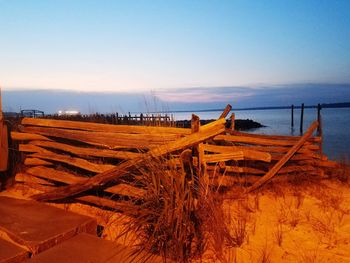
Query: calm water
{"x": 336, "y": 125}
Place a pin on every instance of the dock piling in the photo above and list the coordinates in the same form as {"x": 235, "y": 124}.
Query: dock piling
{"x": 292, "y": 117}
{"x": 301, "y": 118}
{"x": 319, "y": 128}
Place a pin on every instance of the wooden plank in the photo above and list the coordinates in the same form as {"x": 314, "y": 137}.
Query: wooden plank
{"x": 296, "y": 169}
{"x": 254, "y": 171}
{"x": 272, "y": 172}
{"x": 314, "y": 139}
{"x": 268, "y": 149}
{"x": 55, "y": 175}
{"x": 226, "y": 111}
{"x": 299, "y": 156}
{"x": 248, "y": 153}
{"x": 89, "y": 126}
{"x": 235, "y": 169}
{"x": 25, "y": 178}
{"x": 244, "y": 170}
{"x": 222, "y": 157}
{"x": 68, "y": 178}
{"x": 127, "y": 190}
{"x": 74, "y": 161}
{"x": 21, "y": 136}
{"x": 254, "y": 140}
{"x": 84, "y": 151}
{"x": 105, "y": 139}
{"x": 205, "y": 133}
{"x": 36, "y": 161}
{"x": 32, "y": 148}
{"x": 105, "y": 202}
{"x": 38, "y": 187}
{"x": 322, "y": 163}
{"x": 241, "y": 170}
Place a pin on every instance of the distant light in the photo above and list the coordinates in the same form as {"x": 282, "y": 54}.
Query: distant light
{"x": 68, "y": 112}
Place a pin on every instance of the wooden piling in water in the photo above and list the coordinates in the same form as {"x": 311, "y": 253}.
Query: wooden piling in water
{"x": 292, "y": 117}
{"x": 301, "y": 118}
{"x": 319, "y": 128}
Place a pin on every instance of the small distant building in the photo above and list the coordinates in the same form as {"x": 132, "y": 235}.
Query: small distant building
{"x": 32, "y": 113}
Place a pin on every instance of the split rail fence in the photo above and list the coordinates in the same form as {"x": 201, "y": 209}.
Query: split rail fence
{"x": 88, "y": 162}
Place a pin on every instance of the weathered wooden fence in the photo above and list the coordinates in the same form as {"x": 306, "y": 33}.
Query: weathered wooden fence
{"x": 61, "y": 153}
{"x": 68, "y": 159}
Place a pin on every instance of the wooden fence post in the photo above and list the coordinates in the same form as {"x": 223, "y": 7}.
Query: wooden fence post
{"x": 3, "y": 141}
{"x": 226, "y": 111}
{"x": 232, "y": 121}
{"x": 196, "y": 170}
{"x": 195, "y": 123}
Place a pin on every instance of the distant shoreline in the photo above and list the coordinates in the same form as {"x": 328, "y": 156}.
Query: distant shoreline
{"x": 323, "y": 105}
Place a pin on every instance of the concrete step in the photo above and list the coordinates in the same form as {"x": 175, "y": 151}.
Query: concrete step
{"x": 38, "y": 226}
{"x": 10, "y": 253}
{"x": 85, "y": 248}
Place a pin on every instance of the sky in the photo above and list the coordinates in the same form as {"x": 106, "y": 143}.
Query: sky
{"x": 173, "y": 48}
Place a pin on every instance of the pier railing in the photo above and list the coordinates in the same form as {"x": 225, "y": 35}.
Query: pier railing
{"x": 145, "y": 119}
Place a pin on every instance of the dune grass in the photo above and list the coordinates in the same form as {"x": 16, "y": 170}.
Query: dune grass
{"x": 179, "y": 217}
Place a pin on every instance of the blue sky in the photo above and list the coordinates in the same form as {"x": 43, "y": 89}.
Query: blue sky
{"x": 172, "y": 46}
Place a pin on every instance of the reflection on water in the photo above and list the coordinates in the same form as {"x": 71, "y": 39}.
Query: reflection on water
{"x": 335, "y": 123}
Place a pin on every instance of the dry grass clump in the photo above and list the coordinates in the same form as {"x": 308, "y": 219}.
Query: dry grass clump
{"x": 178, "y": 217}
{"x": 330, "y": 199}
{"x": 295, "y": 218}
{"x": 275, "y": 189}
{"x": 264, "y": 254}
{"x": 341, "y": 173}
{"x": 241, "y": 218}
{"x": 238, "y": 228}
{"x": 278, "y": 234}
{"x": 325, "y": 227}
{"x": 288, "y": 215}
{"x": 310, "y": 256}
